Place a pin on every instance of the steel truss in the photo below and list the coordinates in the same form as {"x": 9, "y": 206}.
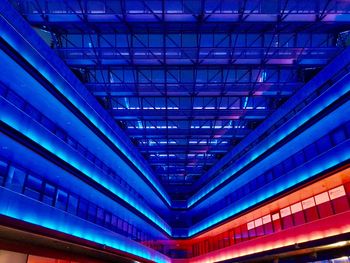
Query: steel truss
{"x": 187, "y": 80}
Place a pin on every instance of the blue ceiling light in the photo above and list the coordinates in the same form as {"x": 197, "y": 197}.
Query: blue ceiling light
{"x": 199, "y": 112}
{"x": 340, "y": 88}
{"x": 32, "y": 55}
{"x": 335, "y": 157}
{"x": 13, "y": 117}
{"x": 25, "y": 209}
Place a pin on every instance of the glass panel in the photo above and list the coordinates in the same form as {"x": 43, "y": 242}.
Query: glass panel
{"x": 339, "y": 199}
{"x": 276, "y": 222}
{"x": 298, "y": 214}
{"x": 33, "y": 187}
{"x": 323, "y": 205}
{"x": 3, "y": 172}
{"x": 120, "y": 224}
{"x": 82, "y": 208}
{"x": 34, "y": 183}
{"x": 288, "y": 165}
{"x": 100, "y": 216}
{"x": 15, "y": 179}
{"x": 108, "y": 219}
{"x": 49, "y": 194}
{"x": 299, "y": 158}
{"x": 338, "y": 136}
{"x": 92, "y": 212}
{"x": 310, "y": 151}
{"x": 259, "y": 227}
{"x": 72, "y": 204}
{"x": 244, "y": 232}
{"x": 324, "y": 144}
{"x": 267, "y": 224}
{"x": 125, "y": 227}
{"x": 278, "y": 170}
{"x": 61, "y": 200}
{"x": 114, "y": 223}
{"x": 340, "y": 204}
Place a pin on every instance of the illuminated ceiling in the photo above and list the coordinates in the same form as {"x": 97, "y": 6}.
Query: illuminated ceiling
{"x": 187, "y": 81}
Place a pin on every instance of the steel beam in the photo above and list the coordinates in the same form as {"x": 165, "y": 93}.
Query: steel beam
{"x": 156, "y": 114}
{"x": 184, "y": 148}
{"x": 181, "y": 133}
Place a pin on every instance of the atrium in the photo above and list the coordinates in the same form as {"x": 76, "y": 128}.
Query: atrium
{"x": 174, "y": 131}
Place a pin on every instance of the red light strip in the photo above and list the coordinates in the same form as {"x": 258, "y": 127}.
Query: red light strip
{"x": 319, "y": 229}
{"x": 326, "y": 184}
{"x": 325, "y": 189}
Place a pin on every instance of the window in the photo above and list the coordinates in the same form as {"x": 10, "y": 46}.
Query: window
{"x": 310, "y": 151}
{"x": 338, "y": 136}
{"x": 323, "y": 205}
{"x": 81, "y": 149}
{"x": 253, "y": 185}
{"x": 310, "y": 210}
{"x": 347, "y": 128}
{"x": 125, "y": 227}
{"x": 100, "y": 216}
{"x": 267, "y": 224}
{"x": 48, "y": 124}
{"x": 49, "y": 194}
{"x": 251, "y": 229}
{"x": 324, "y": 144}
{"x": 259, "y": 229}
{"x": 114, "y": 223}
{"x": 3, "y": 172}
{"x": 244, "y": 232}
{"x": 261, "y": 180}
{"x": 288, "y": 165}
{"x": 108, "y": 218}
{"x": 71, "y": 142}
{"x": 15, "y": 99}
{"x": 60, "y": 134}
{"x": 287, "y": 220}
{"x": 339, "y": 199}
{"x": 32, "y": 112}
{"x": 61, "y": 200}
{"x": 120, "y": 224}
{"x": 130, "y": 229}
{"x": 92, "y": 212}
{"x": 15, "y": 179}
{"x": 82, "y": 208}
{"x": 278, "y": 170}
{"x": 276, "y": 222}
{"x": 90, "y": 156}
{"x": 299, "y": 158}
{"x": 298, "y": 215}
{"x": 246, "y": 189}
{"x": 98, "y": 162}
{"x": 33, "y": 187}
{"x": 72, "y": 204}
{"x": 269, "y": 176}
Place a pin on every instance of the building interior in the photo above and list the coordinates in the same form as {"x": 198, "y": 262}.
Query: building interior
{"x": 174, "y": 131}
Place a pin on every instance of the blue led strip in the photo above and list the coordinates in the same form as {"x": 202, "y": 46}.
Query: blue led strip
{"x": 26, "y": 126}
{"x": 333, "y": 71}
{"x": 330, "y": 159}
{"x": 25, "y": 209}
{"x": 19, "y": 42}
{"x": 339, "y": 116}
{"x": 15, "y": 78}
{"x": 18, "y": 156}
{"x": 339, "y": 89}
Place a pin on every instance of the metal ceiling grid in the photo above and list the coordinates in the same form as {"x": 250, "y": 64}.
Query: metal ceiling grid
{"x": 188, "y": 80}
